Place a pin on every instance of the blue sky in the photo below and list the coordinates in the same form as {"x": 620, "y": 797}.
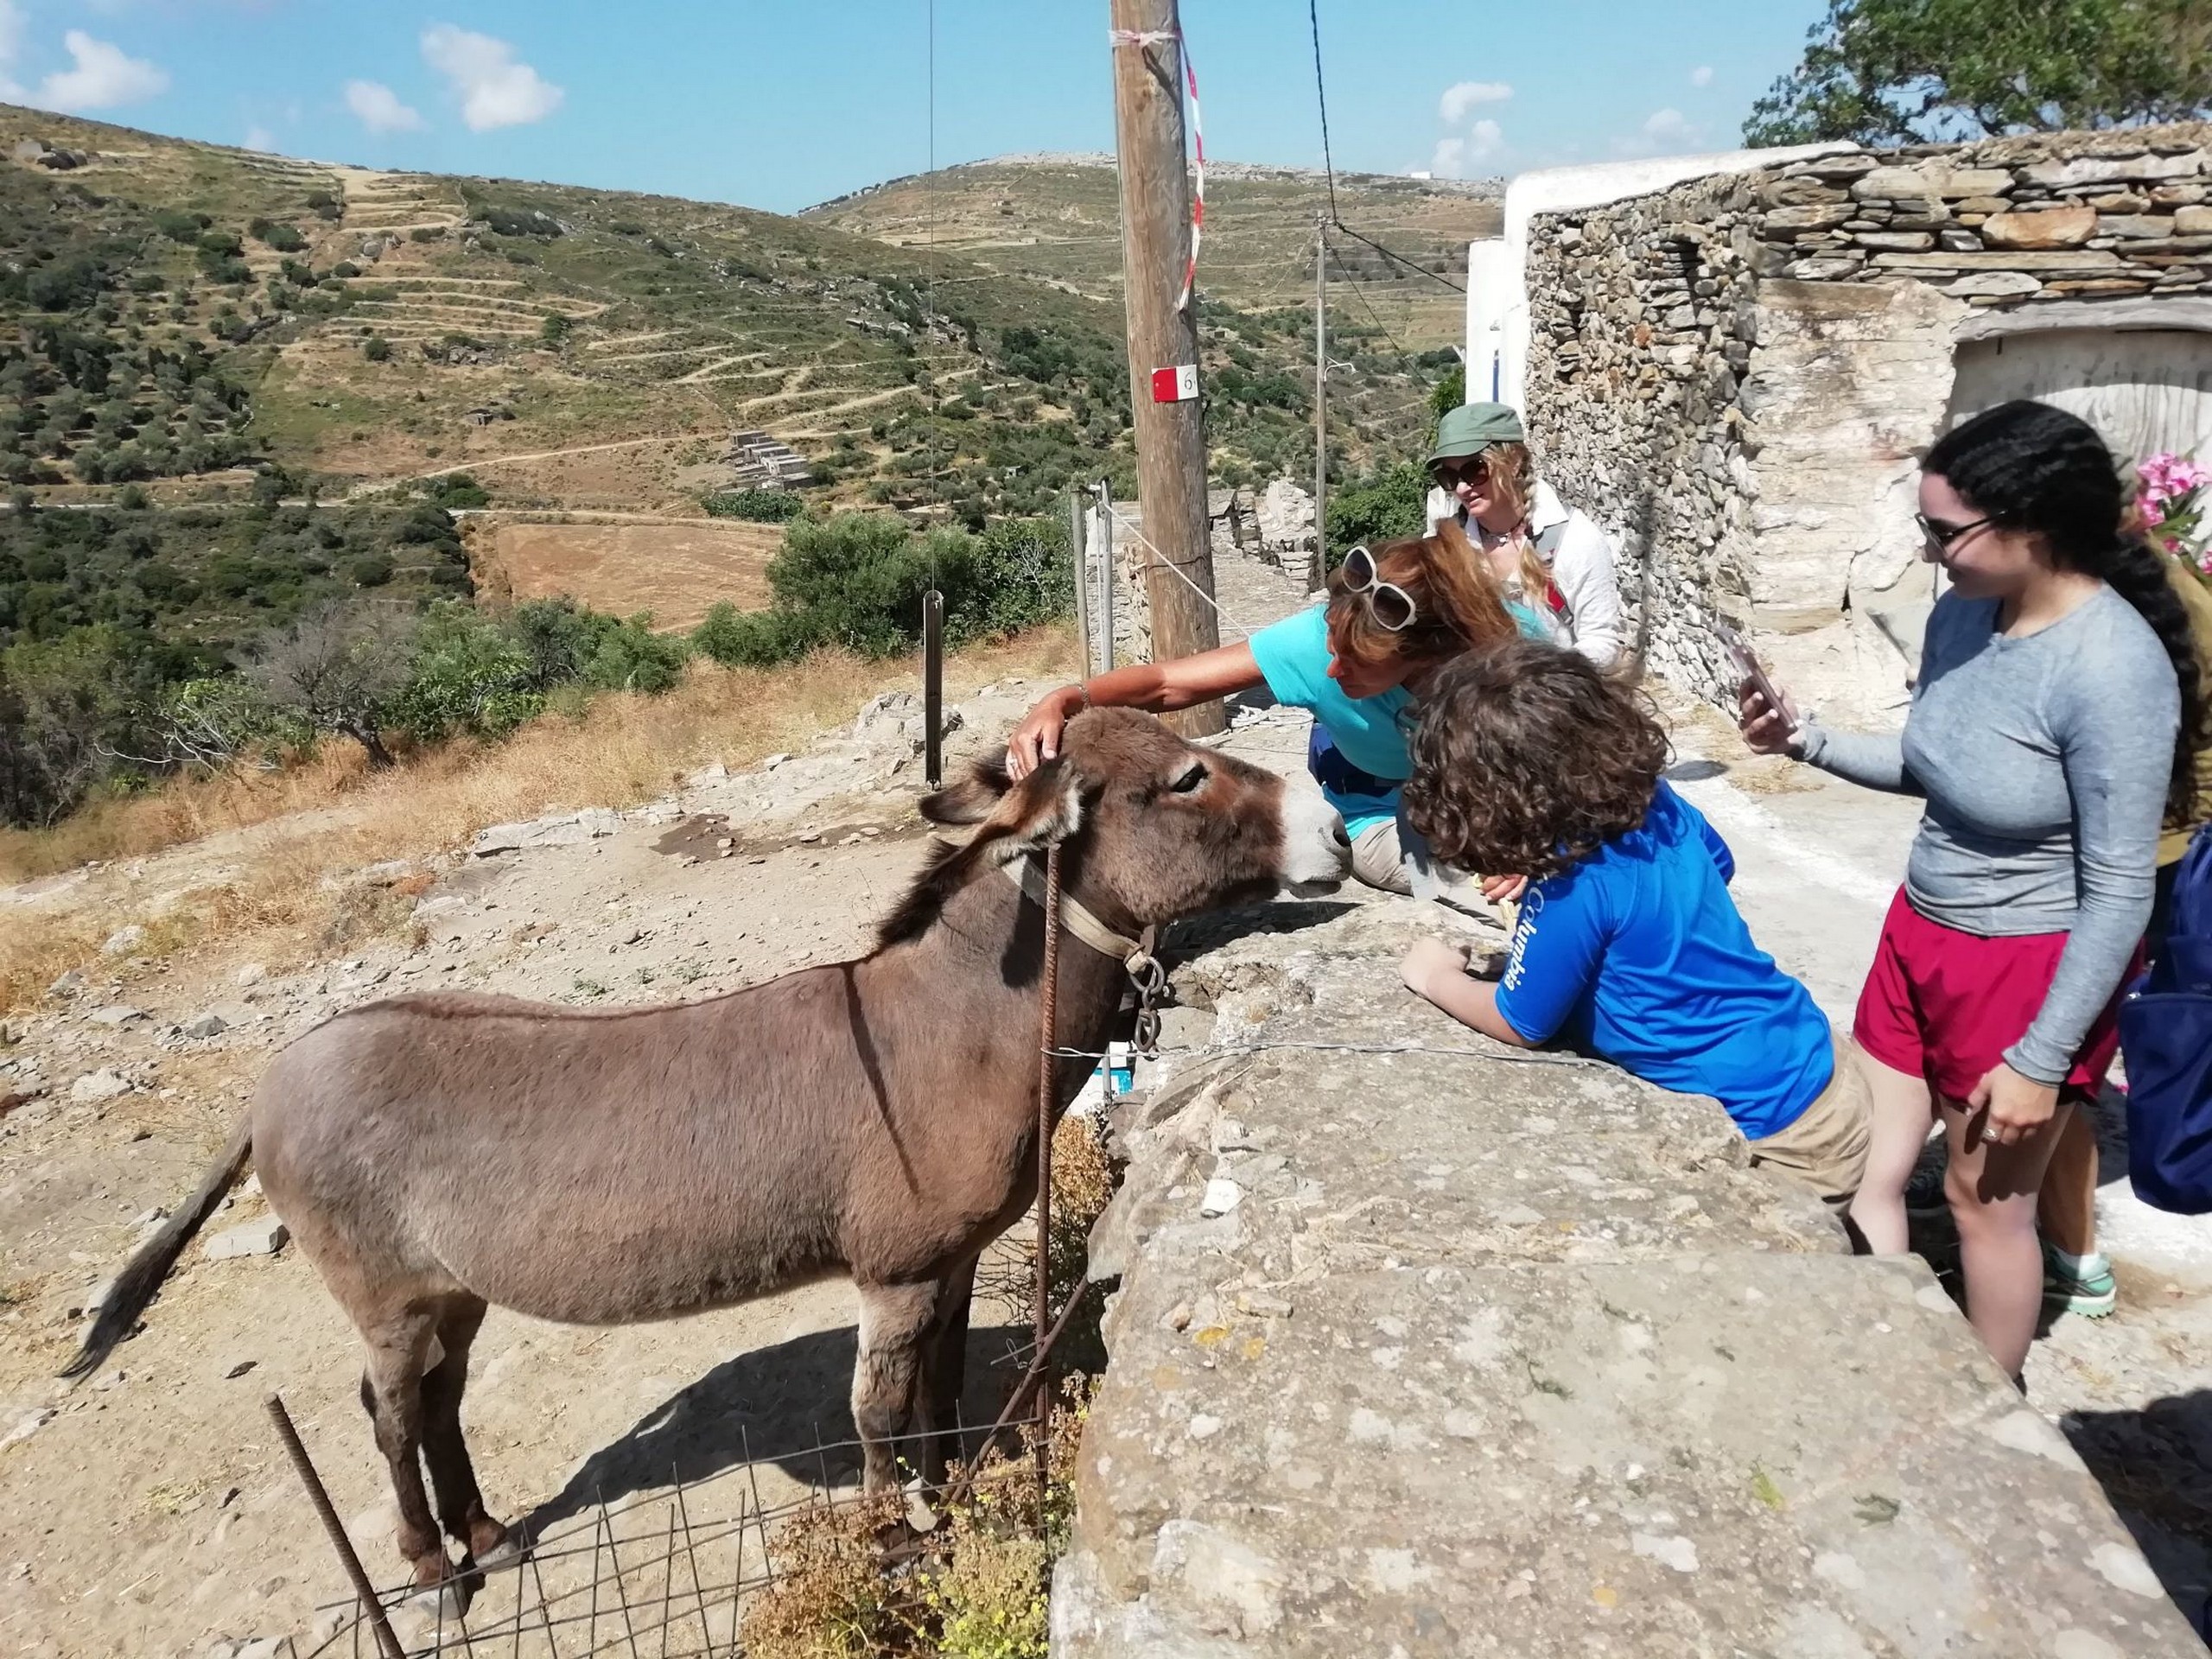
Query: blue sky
{"x": 780, "y": 104}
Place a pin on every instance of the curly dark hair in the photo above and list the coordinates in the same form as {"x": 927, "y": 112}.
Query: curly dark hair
{"x": 1528, "y": 757}
{"x": 2033, "y": 467}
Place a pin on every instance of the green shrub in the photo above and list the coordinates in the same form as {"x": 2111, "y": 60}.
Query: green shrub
{"x": 181, "y": 226}
{"x": 632, "y": 658}
{"x": 284, "y": 239}
{"x": 323, "y": 205}
{"x": 739, "y": 638}
{"x": 371, "y": 570}
{"x": 760, "y": 506}
{"x": 1383, "y": 505}
{"x": 376, "y": 348}
{"x": 555, "y": 328}
{"x": 468, "y": 675}
{"x": 454, "y": 489}
{"x": 427, "y": 233}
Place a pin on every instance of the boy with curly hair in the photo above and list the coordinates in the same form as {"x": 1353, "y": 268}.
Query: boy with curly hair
{"x": 1529, "y": 759}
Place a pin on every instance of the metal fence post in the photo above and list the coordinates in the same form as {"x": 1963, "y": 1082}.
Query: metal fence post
{"x": 933, "y": 687}
{"x": 1104, "y": 614}
{"x": 1079, "y": 528}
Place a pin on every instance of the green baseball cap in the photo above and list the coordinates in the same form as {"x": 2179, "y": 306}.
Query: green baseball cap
{"x": 1472, "y": 428}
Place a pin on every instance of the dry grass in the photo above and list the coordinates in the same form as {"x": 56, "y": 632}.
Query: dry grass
{"x": 330, "y": 814}
{"x": 979, "y": 1590}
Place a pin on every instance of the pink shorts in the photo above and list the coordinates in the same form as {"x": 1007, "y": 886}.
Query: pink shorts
{"x": 1946, "y": 1005}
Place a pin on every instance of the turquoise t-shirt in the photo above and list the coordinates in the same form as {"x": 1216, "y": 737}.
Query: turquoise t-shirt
{"x": 1293, "y": 660}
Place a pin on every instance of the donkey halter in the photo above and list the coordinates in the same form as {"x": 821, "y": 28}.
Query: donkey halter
{"x": 1146, "y": 975}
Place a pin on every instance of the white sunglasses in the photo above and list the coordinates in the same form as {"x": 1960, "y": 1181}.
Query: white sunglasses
{"x": 1391, "y": 605}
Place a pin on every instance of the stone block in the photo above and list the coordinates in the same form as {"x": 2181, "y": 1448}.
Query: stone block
{"x": 1897, "y": 184}
{"x": 2104, "y": 169}
{"x": 1711, "y": 1453}
{"x": 1973, "y": 182}
{"x": 263, "y": 1237}
{"x": 1994, "y": 284}
{"x": 2193, "y": 221}
{"x": 1797, "y": 191}
{"x": 2084, "y": 261}
{"x": 2054, "y": 227}
{"x": 1983, "y": 204}
{"x": 2136, "y": 227}
{"x": 1895, "y": 241}
{"x": 1820, "y": 216}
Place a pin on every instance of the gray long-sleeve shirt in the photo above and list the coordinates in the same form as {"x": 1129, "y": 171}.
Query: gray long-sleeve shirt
{"x": 2045, "y": 761}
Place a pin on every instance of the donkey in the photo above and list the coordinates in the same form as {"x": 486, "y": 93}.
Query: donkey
{"x": 434, "y": 1154}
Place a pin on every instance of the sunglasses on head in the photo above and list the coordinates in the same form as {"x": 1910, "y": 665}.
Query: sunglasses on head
{"x": 1939, "y": 537}
{"x": 1391, "y": 605}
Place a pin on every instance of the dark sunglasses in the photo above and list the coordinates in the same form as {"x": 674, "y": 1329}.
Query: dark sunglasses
{"x": 1391, "y": 605}
{"x": 1451, "y": 475}
{"x": 1939, "y": 537}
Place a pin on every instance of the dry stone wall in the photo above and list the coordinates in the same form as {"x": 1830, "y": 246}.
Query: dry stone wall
{"x": 1736, "y": 375}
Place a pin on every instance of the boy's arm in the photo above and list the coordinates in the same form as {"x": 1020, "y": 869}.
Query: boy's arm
{"x": 1438, "y": 972}
{"x": 1558, "y": 941}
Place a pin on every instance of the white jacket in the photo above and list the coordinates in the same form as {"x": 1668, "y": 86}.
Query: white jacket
{"x": 1581, "y": 562}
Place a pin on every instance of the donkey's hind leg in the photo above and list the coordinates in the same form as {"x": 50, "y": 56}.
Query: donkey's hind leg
{"x": 392, "y": 1388}
{"x": 453, "y": 1477}
{"x": 894, "y": 1319}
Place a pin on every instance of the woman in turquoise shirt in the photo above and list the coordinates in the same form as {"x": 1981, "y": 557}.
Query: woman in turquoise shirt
{"x": 1395, "y": 614}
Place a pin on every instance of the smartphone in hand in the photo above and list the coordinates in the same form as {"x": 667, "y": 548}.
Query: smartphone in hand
{"x": 1747, "y": 664}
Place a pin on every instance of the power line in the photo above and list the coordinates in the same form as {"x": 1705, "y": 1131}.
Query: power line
{"x": 1321, "y": 97}
{"x": 1329, "y": 166}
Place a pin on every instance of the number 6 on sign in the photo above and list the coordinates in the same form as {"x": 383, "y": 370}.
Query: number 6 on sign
{"x": 1177, "y": 384}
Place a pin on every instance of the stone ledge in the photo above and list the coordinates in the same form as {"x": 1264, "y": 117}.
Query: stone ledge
{"x": 1490, "y": 1357}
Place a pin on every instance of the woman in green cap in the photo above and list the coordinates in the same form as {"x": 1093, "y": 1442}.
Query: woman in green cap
{"x": 1544, "y": 555}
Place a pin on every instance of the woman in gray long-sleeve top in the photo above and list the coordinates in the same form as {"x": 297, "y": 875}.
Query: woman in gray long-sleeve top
{"x": 2056, "y": 679}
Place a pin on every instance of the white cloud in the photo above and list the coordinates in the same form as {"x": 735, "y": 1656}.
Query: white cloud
{"x": 1664, "y": 133}
{"x": 259, "y": 138}
{"x": 1467, "y": 95}
{"x": 105, "y": 76}
{"x": 1484, "y": 140}
{"x": 378, "y": 109}
{"x": 495, "y": 90}
{"x": 1702, "y": 75}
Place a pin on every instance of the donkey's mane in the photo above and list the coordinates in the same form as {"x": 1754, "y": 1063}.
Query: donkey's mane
{"x": 949, "y": 865}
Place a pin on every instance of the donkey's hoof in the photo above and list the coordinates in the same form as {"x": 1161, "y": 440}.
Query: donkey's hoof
{"x": 446, "y": 1601}
{"x": 512, "y": 1550}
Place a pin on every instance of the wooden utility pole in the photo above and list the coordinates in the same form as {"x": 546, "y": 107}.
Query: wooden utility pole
{"x": 1320, "y": 573}
{"x": 1155, "y": 244}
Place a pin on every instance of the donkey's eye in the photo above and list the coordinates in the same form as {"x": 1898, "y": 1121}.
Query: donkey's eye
{"x": 1190, "y": 781}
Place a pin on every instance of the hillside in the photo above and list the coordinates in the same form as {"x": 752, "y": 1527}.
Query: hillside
{"x": 592, "y": 349}
{"x": 1059, "y": 217}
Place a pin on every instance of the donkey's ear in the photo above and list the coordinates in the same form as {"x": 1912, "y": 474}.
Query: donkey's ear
{"x": 1044, "y": 807}
{"x": 974, "y": 798}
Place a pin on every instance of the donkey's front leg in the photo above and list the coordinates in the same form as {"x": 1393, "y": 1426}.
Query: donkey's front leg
{"x": 894, "y": 1319}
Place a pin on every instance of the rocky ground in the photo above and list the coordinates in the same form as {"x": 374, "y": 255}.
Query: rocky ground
{"x": 150, "y": 1510}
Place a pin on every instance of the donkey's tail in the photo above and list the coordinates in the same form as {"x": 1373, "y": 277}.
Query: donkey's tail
{"x": 140, "y": 1278}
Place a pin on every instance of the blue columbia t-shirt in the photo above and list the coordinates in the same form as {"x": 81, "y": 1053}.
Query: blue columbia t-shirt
{"x": 1637, "y": 954}
{"x": 1358, "y": 754}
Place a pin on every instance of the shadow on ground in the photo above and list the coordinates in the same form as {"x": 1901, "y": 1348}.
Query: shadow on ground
{"x": 784, "y": 1405}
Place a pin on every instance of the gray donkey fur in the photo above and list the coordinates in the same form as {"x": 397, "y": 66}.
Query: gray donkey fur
{"x": 434, "y": 1154}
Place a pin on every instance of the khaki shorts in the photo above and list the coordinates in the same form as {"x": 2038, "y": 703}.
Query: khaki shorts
{"x": 1380, "y": 857}
{"x": 1826, "y": 1147}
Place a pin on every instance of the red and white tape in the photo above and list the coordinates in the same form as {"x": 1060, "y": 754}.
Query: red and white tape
{"x": 1144, "y": 37}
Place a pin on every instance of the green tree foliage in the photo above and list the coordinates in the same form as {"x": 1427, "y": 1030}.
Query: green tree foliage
{"x": 761, "y": 506}
{"x": 856, "y": 580}
{"x": 1899, "y": 72}
{"x": 1450, "y": 392}
{"x": 285, "y": 238}
{"x": 339, "y": 667}
{"x": 1379, "y": 507}
{"x": 376, "y": 349}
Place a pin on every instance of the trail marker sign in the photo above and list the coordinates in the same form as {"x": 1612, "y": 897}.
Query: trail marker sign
{"x": 1177, "y": 384}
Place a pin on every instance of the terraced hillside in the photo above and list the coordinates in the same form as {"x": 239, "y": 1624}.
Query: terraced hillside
{"x": 590, "y": 349}
{"x": 1059, "y": 217}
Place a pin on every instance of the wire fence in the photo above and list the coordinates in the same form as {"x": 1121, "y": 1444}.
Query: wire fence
{"x": 672, "y": 1573}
